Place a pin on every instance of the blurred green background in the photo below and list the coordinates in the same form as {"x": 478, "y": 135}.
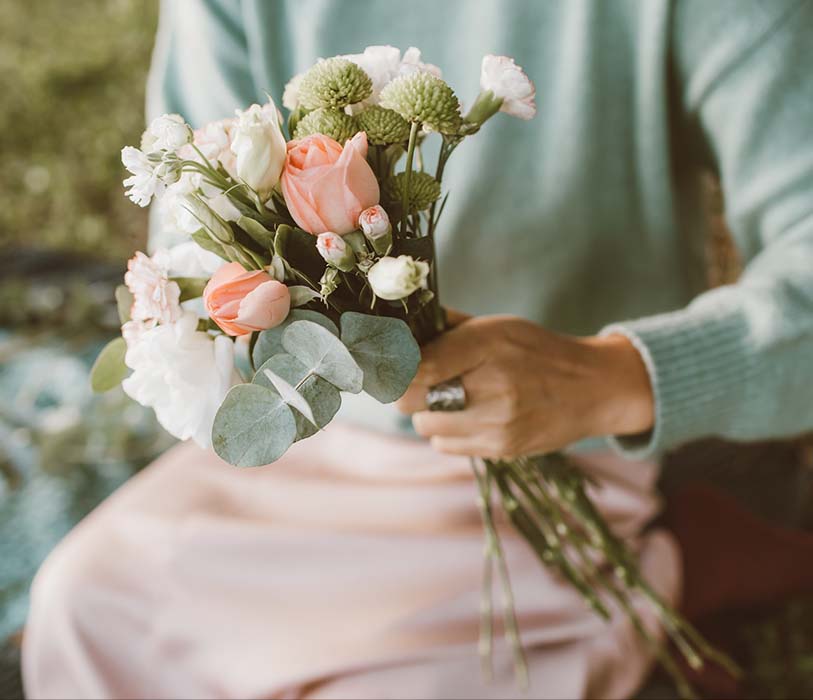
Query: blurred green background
{"x": 72, "y": 76}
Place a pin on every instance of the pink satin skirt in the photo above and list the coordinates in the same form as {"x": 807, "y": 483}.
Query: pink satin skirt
{"x": 351, "y": 568}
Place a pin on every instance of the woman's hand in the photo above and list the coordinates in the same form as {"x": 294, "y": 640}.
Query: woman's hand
{"x": 529, "y": 390}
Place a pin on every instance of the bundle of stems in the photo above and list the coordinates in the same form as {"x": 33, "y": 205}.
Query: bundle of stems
{"x": 546, "y": 501}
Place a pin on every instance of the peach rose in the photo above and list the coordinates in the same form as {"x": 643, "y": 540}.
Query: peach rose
{"x": 326, "y": 186}
{"x": 241, "y": 301}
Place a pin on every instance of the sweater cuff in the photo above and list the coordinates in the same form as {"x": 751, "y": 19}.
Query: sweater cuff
{"x": 699, "y": 360}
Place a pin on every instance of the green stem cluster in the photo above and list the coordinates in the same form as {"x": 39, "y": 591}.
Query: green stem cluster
{"x": 546, "y": 501}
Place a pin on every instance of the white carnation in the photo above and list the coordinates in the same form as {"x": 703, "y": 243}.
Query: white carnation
{"x": 155, "y": 298}
{"x": 183, "y": 374}
{"x": 502, "y": 76}
{"x": 144, "y": 183}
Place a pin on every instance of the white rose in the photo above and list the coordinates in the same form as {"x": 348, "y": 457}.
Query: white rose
{"x": 260, "y": 148}
{"x": 335, "y": 251}
{"x": 502, "y": 76}
{"x": 166, "y": 133}
{"x": 183, "y": 374}
{"x": 397, "y": 278}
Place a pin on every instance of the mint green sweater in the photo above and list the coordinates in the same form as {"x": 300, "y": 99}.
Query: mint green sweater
{"x": 590, "y": 215}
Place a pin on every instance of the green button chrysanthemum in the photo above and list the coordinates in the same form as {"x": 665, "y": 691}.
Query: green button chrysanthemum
{"x": 425, "y": 98}
{"x": 334, "y": 83}
{"x": 423, "y": 190}
{"x": 383, "y": 126}
{"x": 330, "y": 122}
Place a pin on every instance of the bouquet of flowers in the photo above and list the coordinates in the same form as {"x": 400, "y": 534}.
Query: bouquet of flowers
{"x": 309, "y": 271}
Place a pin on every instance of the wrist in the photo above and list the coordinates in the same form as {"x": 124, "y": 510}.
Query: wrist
{"x": 627, "y": 404}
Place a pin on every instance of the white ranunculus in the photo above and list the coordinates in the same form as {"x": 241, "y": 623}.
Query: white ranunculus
{"x": 169, "y": 132}
{"x": 183, "y": 374}
{"x": 502, "y": 76}
{"x": 144, "y": 183}
{"x": 260, "y": 148}
{"x": 290, "y": 95}
{"x": 397, "y": 278}
{"x": 155, "y": 298}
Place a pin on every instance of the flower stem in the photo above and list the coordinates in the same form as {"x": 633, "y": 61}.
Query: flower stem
{"x": 413, "y": 136}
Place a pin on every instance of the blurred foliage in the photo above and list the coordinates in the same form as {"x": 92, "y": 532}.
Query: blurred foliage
{"x": 72, "y": 76}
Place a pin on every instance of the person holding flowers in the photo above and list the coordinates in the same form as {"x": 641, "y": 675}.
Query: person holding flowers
{"x": 572, "y": 253}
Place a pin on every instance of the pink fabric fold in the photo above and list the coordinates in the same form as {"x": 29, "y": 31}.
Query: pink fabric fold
{"x": 350, "y": 568}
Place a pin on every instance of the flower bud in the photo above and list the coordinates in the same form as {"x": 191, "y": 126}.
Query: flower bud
{"x": 335, "y": 251}
{"x": 376, "y": 226}
{"x": 166, "y": 133}
{"x": 397, "y": 278}
{"x": 259, "y": 147}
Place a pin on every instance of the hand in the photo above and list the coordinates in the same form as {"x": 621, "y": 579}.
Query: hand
{"x": 529, "y": 390}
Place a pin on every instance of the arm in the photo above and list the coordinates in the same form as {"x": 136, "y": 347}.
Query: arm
{"x": 738, "y": 361}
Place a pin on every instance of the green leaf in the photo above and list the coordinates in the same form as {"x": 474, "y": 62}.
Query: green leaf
{"x": 253, "y": 426}
{"x": 416, "y": 247}
{"x": 124, "y": 303}
{"x": 301, "y": 295}
{"x": 259, "y": 233}
{"x": 323, "y": 354}
{"x": 269, "y": 343}
{"x": 323, "y": 398}
{"x": 386, "y": 351}
{"x": 109, "y": 368}
{"x": 298, "y": 249}
{"x": 205, "y": 241}
{"x": 191, "y": 287}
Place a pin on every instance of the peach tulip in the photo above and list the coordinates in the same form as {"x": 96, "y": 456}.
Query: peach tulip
{"x": 241, "y": 301}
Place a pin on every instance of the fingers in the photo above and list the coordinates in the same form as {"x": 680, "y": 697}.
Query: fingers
{"x": 455, "y": 318}
{"x": 453, "y": 353}
{"x": 448, "y": 423}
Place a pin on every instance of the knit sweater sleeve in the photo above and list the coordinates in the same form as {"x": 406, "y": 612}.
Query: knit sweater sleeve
{"x": 738, "y": 361}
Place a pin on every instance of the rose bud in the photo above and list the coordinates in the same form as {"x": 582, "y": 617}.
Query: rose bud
{"x": 326, "y": 186}
{"x": 376, "y": 226}
{"x": 242, "y": 301}
{"x": 396, "y": 278}
{"x": 259, "y": 147}
{"x": 335, "y": 251}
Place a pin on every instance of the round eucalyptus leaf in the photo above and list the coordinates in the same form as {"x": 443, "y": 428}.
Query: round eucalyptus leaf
{"x": 323, "y": 354}
{"x": 323, "y": 398}
{"x": 253, "y": 426}
{"x": 386, "y": 351}
{"x": 269, "y": 343}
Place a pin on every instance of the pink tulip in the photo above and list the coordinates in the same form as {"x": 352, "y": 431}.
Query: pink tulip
{"x": 241, "y": 301}
{"x": 326, "y": 187}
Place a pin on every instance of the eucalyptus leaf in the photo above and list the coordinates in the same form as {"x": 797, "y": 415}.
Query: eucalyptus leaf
{"x": 205, "y": 241}
{"x": 323, "y": 354}
{"x": 253, "y": 426}
{"x": 269, "y": 343}
{"x": 323, "y": 398}
{"x": 290, "y": 395}
{"x": 109, "y": 369}
{"x": 259, "y": 233}
{"x": 124, "y": 303}
{"x": 386, "y": 351}
{"x": 191, "y": 287}
{"x": 301, "y": 295}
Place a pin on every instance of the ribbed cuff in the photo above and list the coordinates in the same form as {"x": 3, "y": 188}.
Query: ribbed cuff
{"x": 699, "y": 361}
